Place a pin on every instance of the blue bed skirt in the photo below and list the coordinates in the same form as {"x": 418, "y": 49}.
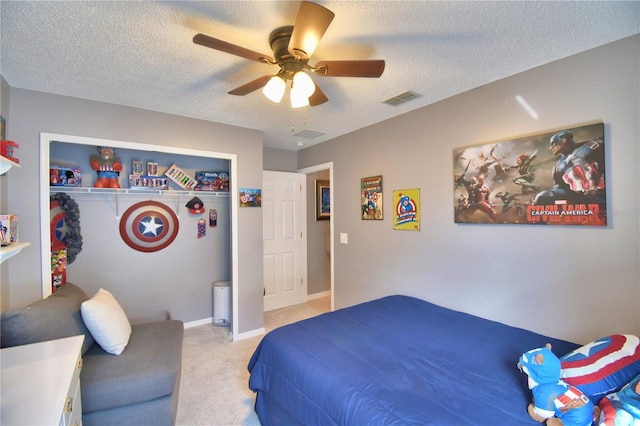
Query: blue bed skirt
{"x": 394, "y": 361}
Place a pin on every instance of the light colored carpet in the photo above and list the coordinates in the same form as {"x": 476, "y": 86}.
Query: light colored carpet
{"x": 214, "y": 384}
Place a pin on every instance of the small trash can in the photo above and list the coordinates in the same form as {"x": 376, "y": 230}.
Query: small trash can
{"x": 221, "y": 302}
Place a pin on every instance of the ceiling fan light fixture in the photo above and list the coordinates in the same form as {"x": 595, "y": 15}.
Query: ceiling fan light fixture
{"x": 298, "y": 99}
{"x": 292, "y": 47}
{"x": 274, "y": 89}
{"x": 303, "y": 83}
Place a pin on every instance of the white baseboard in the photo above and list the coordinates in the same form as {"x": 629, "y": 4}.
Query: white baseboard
{"x": 197, "y": 323}
{"x": 319, "y": 295}
{"x": 241, "y": 336}
{"x": 249, "y": 334}
{"x": 256, "y": 332}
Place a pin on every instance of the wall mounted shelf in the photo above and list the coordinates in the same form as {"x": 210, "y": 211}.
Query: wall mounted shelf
{"x": 6, "y": 165}
{"x": 129, "y": 191}
{"x": 10, "y": 251}
{"x": 7, "y": 252}
{"x": 176, "y": 195}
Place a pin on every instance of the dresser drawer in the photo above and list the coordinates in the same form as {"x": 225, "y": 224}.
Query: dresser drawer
{"x": 41, "y": 383}
{"x": 72, "y": 413}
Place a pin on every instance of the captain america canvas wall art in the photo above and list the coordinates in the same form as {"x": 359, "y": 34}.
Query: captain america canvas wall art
{"x": 556, "y": 177}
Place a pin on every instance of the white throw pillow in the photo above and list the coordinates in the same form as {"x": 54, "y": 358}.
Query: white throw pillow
{"x": 107, "y": 322}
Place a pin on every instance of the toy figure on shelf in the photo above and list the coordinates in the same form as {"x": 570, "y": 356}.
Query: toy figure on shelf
{"x": 7, "y": 150}
{"x": 108, "y": 167}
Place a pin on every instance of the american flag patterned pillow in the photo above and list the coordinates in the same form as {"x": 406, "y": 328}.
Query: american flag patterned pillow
{"x": 602, "y": 366}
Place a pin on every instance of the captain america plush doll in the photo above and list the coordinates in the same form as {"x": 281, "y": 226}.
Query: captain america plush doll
{"x": 554, "y": 401}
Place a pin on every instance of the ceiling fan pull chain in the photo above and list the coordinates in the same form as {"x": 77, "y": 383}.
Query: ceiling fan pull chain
{"x": 305, "y": 118}
{"x": 291, "y": 120}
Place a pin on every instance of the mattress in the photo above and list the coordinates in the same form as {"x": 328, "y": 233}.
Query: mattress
{"x": 397, "y": 360}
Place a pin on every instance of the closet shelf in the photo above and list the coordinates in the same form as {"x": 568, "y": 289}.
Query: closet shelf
{"x": 129, "y": 191}
{"x": 6, "y": 164}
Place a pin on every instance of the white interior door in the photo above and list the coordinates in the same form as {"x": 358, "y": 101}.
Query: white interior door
{"x": 282, "y": 239}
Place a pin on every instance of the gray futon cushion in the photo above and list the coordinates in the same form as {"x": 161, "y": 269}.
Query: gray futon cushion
{"x": 145, "y": 370}
{"x": 55, "y": 317}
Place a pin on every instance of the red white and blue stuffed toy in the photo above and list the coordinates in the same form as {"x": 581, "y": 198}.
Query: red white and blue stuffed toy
{"x": 622, "y": 408}
{"x": 554, "y": 401}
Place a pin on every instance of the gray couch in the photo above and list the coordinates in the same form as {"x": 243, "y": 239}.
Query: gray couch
{"x": 138, "y": 387}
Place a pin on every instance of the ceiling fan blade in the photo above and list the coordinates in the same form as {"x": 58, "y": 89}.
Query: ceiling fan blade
{"x": 317, "y": 97}
{"x": 251, "y": 86}
{"x": 223, "y": 46}
{"x": 366, "y": 68}
{"x": 311, "y": 23}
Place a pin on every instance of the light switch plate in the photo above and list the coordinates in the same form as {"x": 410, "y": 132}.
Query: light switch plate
{"x": 344, "y": 238}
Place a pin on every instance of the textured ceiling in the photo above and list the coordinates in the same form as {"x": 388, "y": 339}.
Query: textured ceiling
{"x": 141, "y": 54}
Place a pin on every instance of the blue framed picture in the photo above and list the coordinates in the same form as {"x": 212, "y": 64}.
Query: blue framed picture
{"x": 323, "y": 200}
{"x": 250, "y": 197}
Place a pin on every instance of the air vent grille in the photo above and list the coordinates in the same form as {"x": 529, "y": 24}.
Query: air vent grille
{"x": 402, "y": 98}
{"x": 308, "y": 134}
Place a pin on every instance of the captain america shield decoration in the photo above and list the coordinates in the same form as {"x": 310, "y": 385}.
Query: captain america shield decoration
{"x": 148, "y": 226}
{"x": 58, "y": 223}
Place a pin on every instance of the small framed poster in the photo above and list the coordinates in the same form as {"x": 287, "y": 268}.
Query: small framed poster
{"x": 371, "y": 193}
{"x": 406, "y": 209}
{"x": 250, "y": 197}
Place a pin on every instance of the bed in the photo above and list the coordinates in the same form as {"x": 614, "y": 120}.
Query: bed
{"x": 395, "y": 360}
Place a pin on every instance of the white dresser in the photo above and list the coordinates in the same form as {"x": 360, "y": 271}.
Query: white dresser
{"x": 41, "y": 383}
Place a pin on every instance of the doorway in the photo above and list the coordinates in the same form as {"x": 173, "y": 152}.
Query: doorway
{"x": 325, "y": 247}
{"x": 282, "y": 239}
{"x": 281, "y": 280}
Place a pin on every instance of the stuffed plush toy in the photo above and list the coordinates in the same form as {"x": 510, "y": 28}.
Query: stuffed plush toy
{"x": 554, "y": 401}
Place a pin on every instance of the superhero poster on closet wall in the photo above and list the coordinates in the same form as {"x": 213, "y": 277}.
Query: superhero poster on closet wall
{"x": 551, "y": 178}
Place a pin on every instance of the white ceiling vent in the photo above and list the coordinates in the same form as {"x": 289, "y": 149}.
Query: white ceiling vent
{"x": 309, "y": 134}
{"x": 402, "y": 98}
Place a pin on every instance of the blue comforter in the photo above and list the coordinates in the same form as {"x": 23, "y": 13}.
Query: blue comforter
{"x": 394, "y": 361}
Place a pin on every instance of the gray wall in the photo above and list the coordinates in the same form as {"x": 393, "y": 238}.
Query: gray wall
{"x": 34, "y": 112}
{"x": 279, "y": 160}
{"x": 577, "y": 283}
{"x": 318, "y": 257}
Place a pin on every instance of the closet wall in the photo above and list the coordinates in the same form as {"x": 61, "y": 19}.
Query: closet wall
{"x": 144, "y": 280}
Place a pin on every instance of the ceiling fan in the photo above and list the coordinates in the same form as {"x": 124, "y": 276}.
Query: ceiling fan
{"x": 292, "y": 48}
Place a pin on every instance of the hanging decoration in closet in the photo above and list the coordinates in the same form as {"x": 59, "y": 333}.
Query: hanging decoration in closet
{"x": 148, "y": 226}
{"x": 66, "y": 237}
